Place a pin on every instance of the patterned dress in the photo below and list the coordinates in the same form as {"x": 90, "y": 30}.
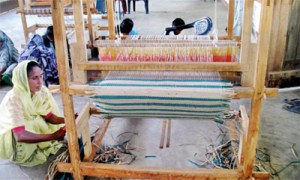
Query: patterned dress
{"x": 36, "y": 50}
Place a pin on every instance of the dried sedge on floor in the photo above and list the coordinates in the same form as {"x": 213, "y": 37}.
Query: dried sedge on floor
{"x": 116, "y": 154}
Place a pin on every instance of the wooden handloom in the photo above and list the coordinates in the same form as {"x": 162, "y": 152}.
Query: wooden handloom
{"x": 43, "y": 8}
{"x": 253, "y": 69}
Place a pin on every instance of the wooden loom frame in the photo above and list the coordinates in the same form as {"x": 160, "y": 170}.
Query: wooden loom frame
{"x": 253, "y": 68}
{"x": 28, "y": 4}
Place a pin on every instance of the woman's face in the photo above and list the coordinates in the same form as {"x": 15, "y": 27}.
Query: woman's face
{"x": 35, "y": 80}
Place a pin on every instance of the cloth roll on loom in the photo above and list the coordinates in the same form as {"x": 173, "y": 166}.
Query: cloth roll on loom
{"x": 190, "y": 95}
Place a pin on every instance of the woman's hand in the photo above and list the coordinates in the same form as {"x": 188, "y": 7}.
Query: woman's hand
{"x": 94, "y": 111}
{"x": 21, "y": 135}
{"x": 53, "y": 119}
{"x": 60, "y": 134}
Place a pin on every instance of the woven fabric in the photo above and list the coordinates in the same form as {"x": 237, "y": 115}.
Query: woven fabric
{"x": 171, "y": 97}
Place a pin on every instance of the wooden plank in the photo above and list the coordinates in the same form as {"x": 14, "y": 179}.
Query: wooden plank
{"x": 247, "y": 92}
{"x": 230, "y": 19}
{"x": 104, "y": 16}
{"x": 162, "y": 66}
{"x": 261, "y": 175}
{"x": 259, "y": 83}
{"x": 83, "y": 129}
{"x": 24, "y": 22}
{"x": 293, "y": 36}
{"x": 279, "y": 34}
{"x": 42, "y": 3}
{"x": 64, "y": 79}
{"x": 82, "y": 90}
{"x": 274, "y": 46}
{"x": 240, "y": 92}
{"x": 244, "y": 134}
{"x": 111, "y": 17}
{"x": 248, "y": 49}
{"x": 146, "y": 172}
{"x": 67, "y": 26}
{"x": 98, "y": 139}
{"x": 32, "y": 29}
{"x": 76, "y": 89}
{"x": 206, "y": 173}
{"x": 243, "y": 92}
{"x": 103, "y": 28}
{"x": 80, "y": 45}
{"x": 270, "y": 92}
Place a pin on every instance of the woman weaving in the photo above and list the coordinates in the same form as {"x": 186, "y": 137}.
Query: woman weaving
{"x": 30, "y": 126}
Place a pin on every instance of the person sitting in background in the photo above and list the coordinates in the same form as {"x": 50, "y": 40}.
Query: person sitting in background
{"x": 8, "y": 58}
{"x": 177, "y": 22}
{"x": 100, "y": 6}
{"x": 48, "y": 38}
{"x": 201, "y": 26}
{"x": 36, "y": 50}
{"x": 127, "y": 27}
{"x": 49, "y": 42}
{"x": 30, "y": 122}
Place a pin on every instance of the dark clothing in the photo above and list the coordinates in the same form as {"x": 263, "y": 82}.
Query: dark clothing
{"x": 50, "y": 44}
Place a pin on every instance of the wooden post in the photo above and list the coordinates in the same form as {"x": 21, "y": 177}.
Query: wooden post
{"x": 83, "y": 129}
{"x": 259, "y": 83}
{"x": 230, "y": 19}
{"x": 24, "y": 22}
{"x": 80, "y": 45}
{"x": 90, "y": 22}
{"x": 64, "y": 80}
{"x": 248, "y": 49}
{"x": 111, "y": 21}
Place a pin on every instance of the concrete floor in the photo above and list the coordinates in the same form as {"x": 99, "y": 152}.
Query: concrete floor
{"x": 279, "y": 130}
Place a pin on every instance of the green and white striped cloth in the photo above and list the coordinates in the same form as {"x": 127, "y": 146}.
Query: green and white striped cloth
{"x": 162, "y": 95}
